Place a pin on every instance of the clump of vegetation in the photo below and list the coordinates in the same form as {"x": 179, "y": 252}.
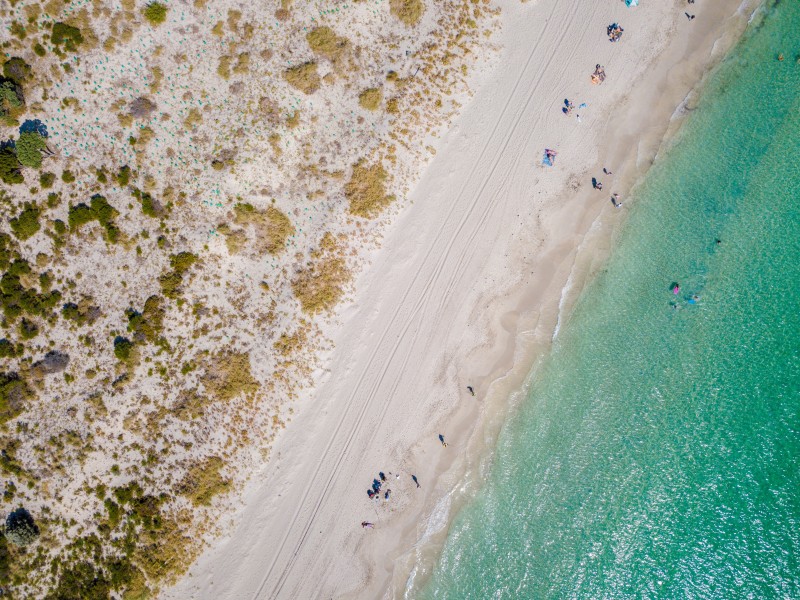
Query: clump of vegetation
{"x": 320, "y": 284}
{"x": 156, "y": 13}
{"x": 10, "y": 167}
{"x": 325, "y": 42}
{"x": 408, "y": 11}
{"x": 82, "y": 313}
{"x": 272, "y": 227}
{"x": 16, "y": 69}
{"x": 17, "y": 300}
{"x": 9, "y": 350}
{"x": 228, "y": 376}
{"x": 67, "y": 35}
{"x": 304, "y": 77}
{"x": 29, "y": 149}
{"x": 46, "y": 180}
{"x": 123, "y": 177}
{"x": 204, "y": 481}
{"x": 370, "y": 98}
{"x": 14, "y": 394}
{"x": 172, "y": 281}
{"x": 366, "y": 190}
{"x": 20, "y": 528}
{"x": 123, "y": 348}
{"x": 150, "y": 206}
{"x": 26, "y": 224}
{"x": 148, "y": 324}
{"x": 98, "y": 210}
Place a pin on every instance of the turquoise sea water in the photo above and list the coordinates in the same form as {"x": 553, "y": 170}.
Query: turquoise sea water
{"x": 658, "y": 452}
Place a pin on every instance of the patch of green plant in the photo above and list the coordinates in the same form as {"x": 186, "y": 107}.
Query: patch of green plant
{"x": 10, "y": 168}
{"x": 148, "y": 324}
{"x": 26, "y": 224}
{"x": 39, "y": 50}
{"x": 366, "y": 190}
{"x": 150, "y": 205}
{"x": 228, "y": 376}
{"x": 21, "y": 530}
{"x": 156, "y": 13}
{"x": 29, "y": 149}
{"x": 9, "y": 350}
{"x": 98, "y": 210}
{"x": 28, "y": 329}
{"x": 324, "y": 41}
{"x": 67, "y": 176}
{"x": 16, "y": 299}
{"x": 172, "y": 281}
{"x": 123, "y": 177}
{"x": 67, "y": 35}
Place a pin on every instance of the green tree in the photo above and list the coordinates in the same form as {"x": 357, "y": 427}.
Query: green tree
{"x": 20, "y": 528}
{"x": 29, "y": 149}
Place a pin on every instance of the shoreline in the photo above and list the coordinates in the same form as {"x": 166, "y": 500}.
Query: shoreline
{"x": 299, "y": 542}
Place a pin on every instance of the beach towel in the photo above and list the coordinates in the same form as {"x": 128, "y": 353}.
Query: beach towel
{"x": 631, "y": 2}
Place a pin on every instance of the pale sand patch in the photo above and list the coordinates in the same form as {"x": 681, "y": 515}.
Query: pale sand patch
{"x": 466, "y": 290}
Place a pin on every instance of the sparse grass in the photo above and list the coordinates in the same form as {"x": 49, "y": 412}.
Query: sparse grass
{"x": 370, "y": 98}
{"x": 408, "y": 11}
{"x": 366, "y": 190}
{"x": 320, "y": 284}
{"x": 304, "y": 77}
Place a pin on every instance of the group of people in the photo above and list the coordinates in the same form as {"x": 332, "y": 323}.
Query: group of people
{"x": 598, "y": 185}
{"x": 614, "y": 32}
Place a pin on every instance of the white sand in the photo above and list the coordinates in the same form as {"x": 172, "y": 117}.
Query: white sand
{"x": 466, "y": 290}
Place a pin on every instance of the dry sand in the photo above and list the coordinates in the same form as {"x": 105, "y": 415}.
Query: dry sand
{"x": 468, "y": 288}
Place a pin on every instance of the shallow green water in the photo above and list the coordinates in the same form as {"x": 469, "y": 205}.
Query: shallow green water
{"x": 658, "y": 453}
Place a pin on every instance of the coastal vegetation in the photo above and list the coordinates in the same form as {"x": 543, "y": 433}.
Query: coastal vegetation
{"x": 176, "y": 230}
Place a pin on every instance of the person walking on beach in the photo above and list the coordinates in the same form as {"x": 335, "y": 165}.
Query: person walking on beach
{"x": 615, "y": 200}
{"x": 414, "y": 477}
{"x": 441, "y": 439}
{"x": 470, "y": 390}
{"x": 688, "y": 16}
{"x": 606, "y": 171}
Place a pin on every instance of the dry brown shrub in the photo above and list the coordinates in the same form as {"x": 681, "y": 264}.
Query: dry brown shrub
{"x": 408, "y": 11}
{"x": 303, "y": 77}
{"x": 203, "y": 481}
{"x": 229, "y": 376}
{"x": 370, "y": 98}
{"x": 366, "y": 190}
{"x": 325, "y": 42}
{"x": 272, "y": 227}
{"x": 320, "y": 285}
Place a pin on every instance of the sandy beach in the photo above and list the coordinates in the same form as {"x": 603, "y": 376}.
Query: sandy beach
{"x": 467, "y": 289}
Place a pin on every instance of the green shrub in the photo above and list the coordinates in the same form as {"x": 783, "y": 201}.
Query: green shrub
{"x": 98, "y": 210}
{"x": 67, "y": 177}
{"x": 156, "y": 13}
{"x": 28, "y": 329}
{"x": 304, "y": 77}
{"x": 10, "y": 96}
{"x": 46, "y": 180}
{"x": 69, "y": 36}
{"x": 8, "y": 350}
{"x": 60, "y": 227}
{"x": 9, "y": 167}
{"x": 14, "y": 393}
{"x": 124, "y": 176}
{"x": 26, "y": 224}
{"x": 122, "y": 348}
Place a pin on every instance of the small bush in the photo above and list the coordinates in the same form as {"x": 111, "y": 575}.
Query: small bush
{"x": 370, "y": 98}
{"x": 17, "y": 69}
{"x": 67, "y": 177}
{"x": 156, "y": 13}
{"x": 303, "y": 77}
{"x": 204, "y": 481}
{"x": 124, "y": 176}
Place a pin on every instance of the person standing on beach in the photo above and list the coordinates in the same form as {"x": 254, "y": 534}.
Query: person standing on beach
{"x": 414, "y": 477}
{"x": 441, "y": 439}
{"x": 470, "y": 390}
